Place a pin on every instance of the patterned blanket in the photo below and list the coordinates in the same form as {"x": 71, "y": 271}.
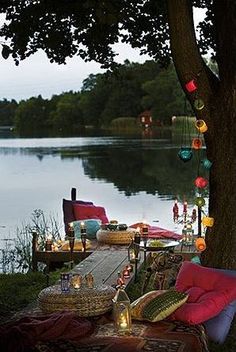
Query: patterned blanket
{"x": 163, "y": 336}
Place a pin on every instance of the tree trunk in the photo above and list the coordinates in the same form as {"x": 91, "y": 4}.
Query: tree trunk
{"x": 219, "y": 96}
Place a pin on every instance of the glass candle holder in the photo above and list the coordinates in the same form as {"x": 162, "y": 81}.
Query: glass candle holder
{"x": 65, "y": 282}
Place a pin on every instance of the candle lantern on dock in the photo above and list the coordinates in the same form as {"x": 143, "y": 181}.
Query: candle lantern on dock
{"x": 145, "y": 238}
{"x": 71, "y": 238}
{"x": 122, "y": 312}
{"x": 132, "y": 252}
{"x": 48, "y": 244}
{"x": 83, "y": 235}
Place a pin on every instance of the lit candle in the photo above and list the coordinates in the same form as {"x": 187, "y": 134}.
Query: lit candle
{"x": 123, "y": 322}
{"x": 82, "y": 227}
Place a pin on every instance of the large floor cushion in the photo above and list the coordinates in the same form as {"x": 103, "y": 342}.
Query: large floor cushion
{"x": 217, "y": 328}
{"x": 209, "y": 290}
{"x": 68, "y": 211}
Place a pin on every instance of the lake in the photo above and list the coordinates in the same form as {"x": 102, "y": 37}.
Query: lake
{"x": 134, "y": 178}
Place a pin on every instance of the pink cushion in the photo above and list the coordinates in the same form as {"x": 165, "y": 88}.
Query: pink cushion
{"x": 82, "y": 212}
{"x": 209, "y": 292}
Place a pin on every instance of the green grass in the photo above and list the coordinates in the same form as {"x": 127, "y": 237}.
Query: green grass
{"x": 19, "y": 290}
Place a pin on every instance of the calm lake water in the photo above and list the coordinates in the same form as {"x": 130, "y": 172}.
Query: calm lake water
{"x": 133, "y": 178}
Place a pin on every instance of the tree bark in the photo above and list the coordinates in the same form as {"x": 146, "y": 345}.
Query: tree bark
{"x": 219, "y": 96}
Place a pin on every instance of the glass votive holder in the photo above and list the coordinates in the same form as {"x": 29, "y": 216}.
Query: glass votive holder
{"x": 65, "y": 282}
{"x": 76, "y": 281}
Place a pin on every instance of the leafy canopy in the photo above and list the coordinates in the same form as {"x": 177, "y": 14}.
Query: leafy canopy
{"x": 89, "y": 28}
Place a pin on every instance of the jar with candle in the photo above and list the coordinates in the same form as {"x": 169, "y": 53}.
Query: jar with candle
{"x": 122, "y": 312}
{"x": 76, "y": 281}
{"x": 65, "y": 282}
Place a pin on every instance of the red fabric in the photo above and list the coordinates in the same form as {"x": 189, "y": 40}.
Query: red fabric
{"x": 83, "y": 212}
{"x": 158, "y": 232}
{"x": 209, "y": 292}
{"x": 27, "y": 331}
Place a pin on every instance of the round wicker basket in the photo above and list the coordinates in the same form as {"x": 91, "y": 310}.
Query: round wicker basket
{"x": 115, "y": 237}
{"x": 86, "y": 302}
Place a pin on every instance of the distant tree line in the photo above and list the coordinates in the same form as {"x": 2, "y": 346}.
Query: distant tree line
{"x": 124, "y": 92}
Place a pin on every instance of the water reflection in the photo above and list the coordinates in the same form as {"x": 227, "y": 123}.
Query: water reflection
{"x": 144, "y": 175}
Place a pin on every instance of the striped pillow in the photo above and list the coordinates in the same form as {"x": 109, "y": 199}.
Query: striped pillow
{"x": 157, "y": 305}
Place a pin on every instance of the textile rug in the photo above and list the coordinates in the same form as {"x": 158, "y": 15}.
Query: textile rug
{"x": 163, "y": 336}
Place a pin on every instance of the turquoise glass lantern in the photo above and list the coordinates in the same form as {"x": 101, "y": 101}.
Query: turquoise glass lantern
{"x": 206, "y": 163}
{"x": 185, "y": 154}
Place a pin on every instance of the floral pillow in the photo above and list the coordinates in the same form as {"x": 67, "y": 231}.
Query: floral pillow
{"x": 91, "y": 226}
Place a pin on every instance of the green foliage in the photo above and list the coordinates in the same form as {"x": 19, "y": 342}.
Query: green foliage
{"x": 7, "y": 112}
{"x": 17, "y": 257}
{"x": 18, "y": 290}
{"x": 67, "y": 114}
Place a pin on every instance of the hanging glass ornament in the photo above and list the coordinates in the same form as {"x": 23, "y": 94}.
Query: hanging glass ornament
{"x": 201, "y": 126}
{"x": 206, "y": 163}
{"x": 201, "y": 182}
{"x": 196, "y": 143}
{"x": 198, "y": 104}
{"x": 191, "y": 86}
{"x": 185, "y": 154}
{"x": 200, "y": 202}
{"x": 207, "y": 221}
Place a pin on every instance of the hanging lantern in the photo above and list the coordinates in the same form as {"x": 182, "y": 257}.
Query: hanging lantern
{"x": 201, "y": 182}
{"x": 191, "y": 86}
{"x": 201, "y": 126}
{"x": 200, "y": 244}
{"x": 196, "y": 143}
{"x": 187, "y": 235}
{"x": 133, "y": 252}
{"x": 206, "y": 163}
{"x": 200, "y": 202}
{"x": 207, "y": 221}
{"x": 198, "y": 104}
{"x": 122, "y": 312}
{"x": 185, "y": 154}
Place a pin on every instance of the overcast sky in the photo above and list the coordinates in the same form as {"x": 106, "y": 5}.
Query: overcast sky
{"x": 36, "y": 75}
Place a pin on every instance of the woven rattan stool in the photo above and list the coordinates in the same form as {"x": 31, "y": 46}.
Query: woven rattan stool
{"x": 115, "y": 237}
{"x": 86, "y": 302}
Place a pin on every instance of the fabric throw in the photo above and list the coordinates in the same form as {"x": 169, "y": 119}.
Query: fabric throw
{"x": 157, "y": 305}
{"x": 26, "y": 332}
{"x": 77, "y": 245}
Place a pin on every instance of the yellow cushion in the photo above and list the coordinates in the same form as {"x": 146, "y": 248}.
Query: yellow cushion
{"x": 157, "y": 305}
{"x": 77, "y": 246}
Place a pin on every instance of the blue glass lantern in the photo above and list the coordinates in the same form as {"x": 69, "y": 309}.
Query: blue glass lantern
{"x": 206, "y": 163}
{"x": 185, "y": 154}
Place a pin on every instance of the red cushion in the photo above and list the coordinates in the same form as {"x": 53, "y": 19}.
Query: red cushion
{"x": 83, "y": 212}
{"x": 209, "y": 292}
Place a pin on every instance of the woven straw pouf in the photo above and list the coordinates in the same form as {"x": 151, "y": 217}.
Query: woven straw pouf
{"x": 115, "y": 237}
{"x": 86, "y": 302}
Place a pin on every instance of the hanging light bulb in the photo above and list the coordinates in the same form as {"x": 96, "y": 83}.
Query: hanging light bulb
{"x": 206, "y": 163}
{"x": 201, "y": 126}
{"x": 200, "y": 244}
{"x": 196, "y": 143}
{"x": 198, "y": 104}
{"x": 191, "y": 86}
{"x": 201, "y": 182}
{"x": 207, "y": 221}
{"x": 200, "y": 202}
{"x": 185, "y": 154}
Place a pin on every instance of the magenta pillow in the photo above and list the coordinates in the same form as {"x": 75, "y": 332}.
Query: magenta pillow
{"x": 68, "y": 211}
{"x": 209, "y": 291}
{"x": 82, "y": 212}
